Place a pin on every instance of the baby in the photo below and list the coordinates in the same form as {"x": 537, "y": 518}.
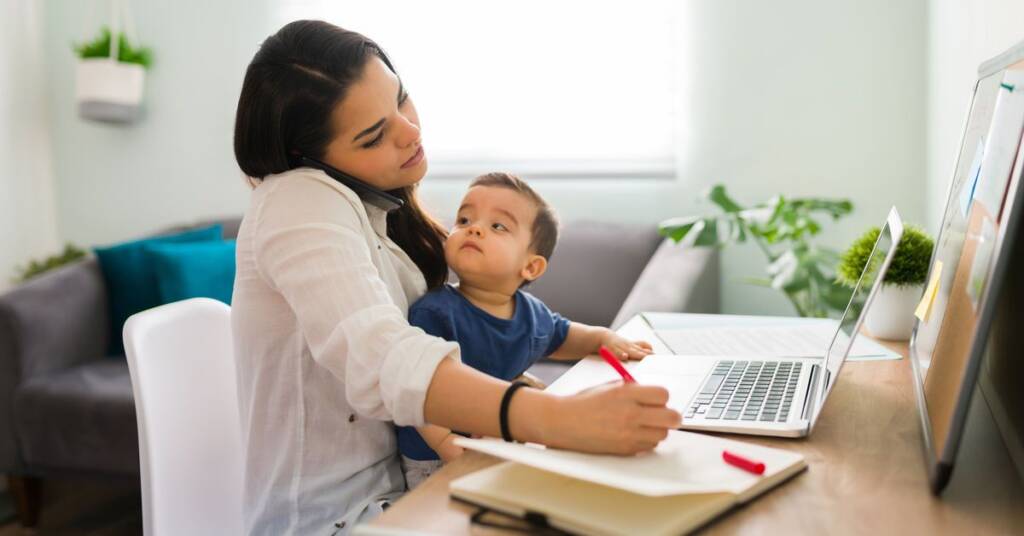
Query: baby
{"x": 503, "y": 237}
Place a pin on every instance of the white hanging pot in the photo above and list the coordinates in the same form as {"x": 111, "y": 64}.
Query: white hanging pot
{"x": 891, "y": 314}
{"x": 108, "y": 90}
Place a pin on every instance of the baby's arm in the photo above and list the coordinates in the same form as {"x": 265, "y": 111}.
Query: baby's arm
{"x": 442, "y": 440}
{"x": 583, "y": 340}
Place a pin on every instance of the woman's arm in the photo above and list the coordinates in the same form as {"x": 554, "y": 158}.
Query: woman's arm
{"x": 614, "y": 418}
{"x": 583, "y": 340}
{"x": 310, "y": 246}
{"x": 313, "y": 245}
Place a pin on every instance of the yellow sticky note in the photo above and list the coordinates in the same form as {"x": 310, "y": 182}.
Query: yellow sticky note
{"x": 924, "y": 309}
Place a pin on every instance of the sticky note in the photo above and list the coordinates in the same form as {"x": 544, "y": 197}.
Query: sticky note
{"x": 924, "y": 309}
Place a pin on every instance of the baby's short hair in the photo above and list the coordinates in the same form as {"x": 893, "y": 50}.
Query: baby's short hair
{"x": 544, "y": 234}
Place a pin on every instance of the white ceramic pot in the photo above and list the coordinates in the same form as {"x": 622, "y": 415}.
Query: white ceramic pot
{"x": 108, "y": 90}
{"x": 891, "y": 314}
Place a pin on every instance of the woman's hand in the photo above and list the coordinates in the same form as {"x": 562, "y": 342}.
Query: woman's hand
{"x": 448, "y": 450}
{"x": 611, "y": 419}
{"x": 614, "y": 418}
{"x": 625, "y": 349}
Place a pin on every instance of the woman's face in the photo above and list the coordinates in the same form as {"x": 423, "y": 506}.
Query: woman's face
{"x": 378, "y": 131}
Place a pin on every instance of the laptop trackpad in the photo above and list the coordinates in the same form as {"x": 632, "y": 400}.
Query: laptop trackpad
{"x": 681, "y": 375}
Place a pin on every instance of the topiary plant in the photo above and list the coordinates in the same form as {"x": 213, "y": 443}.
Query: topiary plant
{"x": 126, "y": 53}
{"x": 909, "y": 266}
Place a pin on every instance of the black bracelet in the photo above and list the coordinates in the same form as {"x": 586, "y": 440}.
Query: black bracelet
{"x": 503, "y": 412}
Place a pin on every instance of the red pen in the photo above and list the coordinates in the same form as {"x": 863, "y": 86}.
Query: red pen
{"x": 746, "y": 464}
{"x": 614, "y": 362}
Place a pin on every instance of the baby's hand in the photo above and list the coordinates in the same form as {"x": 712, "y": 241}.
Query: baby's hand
{"x": 625, "y": 349}
{"x": 448, "y": 450}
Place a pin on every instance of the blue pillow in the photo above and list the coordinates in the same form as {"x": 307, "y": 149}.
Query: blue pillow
{"x": 131, "y": 279}
{"x": 194, "y": 270}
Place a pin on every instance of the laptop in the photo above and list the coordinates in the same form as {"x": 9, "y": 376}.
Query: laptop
{"x": 773, "y": 396}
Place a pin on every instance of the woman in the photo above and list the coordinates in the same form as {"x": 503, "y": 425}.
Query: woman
{"x": 326, "y": 358}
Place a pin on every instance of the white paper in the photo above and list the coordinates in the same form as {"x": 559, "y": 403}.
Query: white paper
{"x": 684, "y": 462}
{"x": 1001, "y": 143}
{"x": 810, "y": 340}
{"x": 980, "y": 265}
{"x": 681, "y": 376}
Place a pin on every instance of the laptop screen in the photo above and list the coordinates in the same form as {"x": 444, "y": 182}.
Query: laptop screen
{"x": 874, "y": 270}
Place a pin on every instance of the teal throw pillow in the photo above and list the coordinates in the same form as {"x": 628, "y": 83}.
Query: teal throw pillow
{"x": 194, "y": 270}
{"x": 131, "y": 279}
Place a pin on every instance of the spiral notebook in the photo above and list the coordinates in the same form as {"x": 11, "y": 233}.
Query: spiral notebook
{"x": 679, "y": 487}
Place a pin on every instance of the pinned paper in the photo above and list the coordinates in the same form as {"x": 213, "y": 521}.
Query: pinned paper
{"x": 1001, "y": 145}
{"x": 924, "y": 309}
{"x": 967, "y": 191}
{"x": 982, "y": 259}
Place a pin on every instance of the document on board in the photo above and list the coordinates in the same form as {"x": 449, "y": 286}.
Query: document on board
{"x": 1001, "y": 143}
{"x": 775, "y": 341}
{"x": 967, "y": 192}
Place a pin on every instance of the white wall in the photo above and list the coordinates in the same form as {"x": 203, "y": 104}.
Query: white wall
{"x": 962, "y": 35}
{"x": 176, "y": 165}
{"x": 800, "y": 97}
{"x": 27, "y": 215}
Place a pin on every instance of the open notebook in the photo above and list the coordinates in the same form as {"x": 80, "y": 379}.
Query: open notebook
{"x": 682, "y": 485}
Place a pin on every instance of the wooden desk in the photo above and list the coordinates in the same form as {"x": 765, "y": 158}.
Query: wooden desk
{"x": 866, "y": 475}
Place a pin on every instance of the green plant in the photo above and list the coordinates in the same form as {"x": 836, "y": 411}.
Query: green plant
{"x": 126, "y": 53}
{"x": 781, "y": 227}
{"x": 909, "y": 266}
{"x": 34, "y": 268}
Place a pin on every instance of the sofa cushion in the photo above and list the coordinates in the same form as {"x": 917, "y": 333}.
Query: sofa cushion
{"x": 131, "y": 280}
{"x": 194, "y": 269}
{"x": 80, "y": 419}
{"x": 593, "y": 269}
{"x": 230, "y": 227}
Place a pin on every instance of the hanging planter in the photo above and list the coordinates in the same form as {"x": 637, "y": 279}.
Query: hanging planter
{"x": 110, "y": 78}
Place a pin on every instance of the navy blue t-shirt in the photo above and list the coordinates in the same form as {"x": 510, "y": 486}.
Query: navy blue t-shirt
{"x": 498, "y": 347}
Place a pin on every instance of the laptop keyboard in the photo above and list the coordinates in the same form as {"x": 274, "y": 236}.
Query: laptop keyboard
{"x": 747, "y": 391}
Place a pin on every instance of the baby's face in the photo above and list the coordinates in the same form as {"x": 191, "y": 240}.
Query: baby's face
{"x": 490, "y": 243}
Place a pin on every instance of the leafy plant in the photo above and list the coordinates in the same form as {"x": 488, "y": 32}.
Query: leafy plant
{"x": 126, "y": 53}
{"x": 782, "y": 228}
{"x": 909, "y": 266}
{"x": 35, "y": 267}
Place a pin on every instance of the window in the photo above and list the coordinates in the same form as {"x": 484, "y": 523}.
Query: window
{"x": 546, "y": 89}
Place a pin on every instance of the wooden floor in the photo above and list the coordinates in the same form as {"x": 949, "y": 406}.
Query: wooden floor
{"x": 84, "y": 508}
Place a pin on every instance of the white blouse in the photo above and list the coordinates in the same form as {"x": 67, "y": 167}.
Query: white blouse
{"x": 325, "y": 355}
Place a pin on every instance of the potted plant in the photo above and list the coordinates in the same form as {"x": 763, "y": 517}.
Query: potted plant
{"x": 891, "y": 315}
{"x": 782, "y": 228}
{"x": 110, "y": 78}
{"x": 70, "y": 254}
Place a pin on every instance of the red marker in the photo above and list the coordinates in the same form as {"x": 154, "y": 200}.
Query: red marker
{"x": 614, "y": 362}
{"x": 743, "y": 463}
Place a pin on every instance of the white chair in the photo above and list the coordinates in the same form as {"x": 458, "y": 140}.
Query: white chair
{"x": 190, "y": 446}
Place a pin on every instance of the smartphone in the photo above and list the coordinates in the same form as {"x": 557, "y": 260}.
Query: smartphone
{"x": 371, "y": 194}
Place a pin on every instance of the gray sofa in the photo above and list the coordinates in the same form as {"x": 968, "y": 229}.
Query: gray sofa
{"x": 66, "y": 408}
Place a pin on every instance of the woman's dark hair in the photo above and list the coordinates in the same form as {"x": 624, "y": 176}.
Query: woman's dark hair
{"x": 297, "y": 78}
